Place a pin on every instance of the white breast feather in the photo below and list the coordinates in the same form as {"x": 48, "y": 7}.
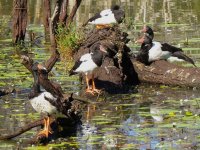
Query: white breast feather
{"x": 87, "y": 64}
{"x": 41, "y": 105}
{"x": 156, "y": 53}
{"x": 86, "y": 57}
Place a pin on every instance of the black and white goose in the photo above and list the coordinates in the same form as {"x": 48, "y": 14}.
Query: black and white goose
{"x": 43, "y": 102}
{"x": 148, "y": 30}
{"x": 87, "y": 63}
{"x": 151, "y": 50}
{"x": 106, "y": 17}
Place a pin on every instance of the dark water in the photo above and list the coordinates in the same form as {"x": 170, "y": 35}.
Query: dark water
{"x": 150, "y": 117}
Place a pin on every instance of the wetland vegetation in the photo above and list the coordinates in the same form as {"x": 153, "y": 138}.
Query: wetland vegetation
{"x": 148, "y": 117}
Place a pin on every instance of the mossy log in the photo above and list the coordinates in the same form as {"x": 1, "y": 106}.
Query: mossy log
{"x": 163, "y": 72}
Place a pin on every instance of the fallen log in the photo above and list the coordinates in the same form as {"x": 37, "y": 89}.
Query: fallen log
{"x": 163, "y": 72}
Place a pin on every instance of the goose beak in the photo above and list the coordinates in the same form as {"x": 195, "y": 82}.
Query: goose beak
{"x": 41, "y": 67}
{"x": 144, "y": 29}
{"x": 140, "y": 41}
{"x": 101, "y": 48}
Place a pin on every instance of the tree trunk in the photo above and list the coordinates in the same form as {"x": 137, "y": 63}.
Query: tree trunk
{"x": 63, "y": 14}
{"x": 46, "y": 16}
{"x": 163, "y": 72}
{"x": 19, "y": 20}
{"x": 73, "y": 12}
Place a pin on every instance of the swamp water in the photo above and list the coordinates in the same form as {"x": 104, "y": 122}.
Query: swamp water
{"x": 149, "y": 117}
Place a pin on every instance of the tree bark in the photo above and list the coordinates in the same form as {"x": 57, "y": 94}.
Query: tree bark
{"x": 163, "y": 72}
{"x": 46, "y": 16}
{"x": 63, "y": 14}
{"x": 19, "y": 20}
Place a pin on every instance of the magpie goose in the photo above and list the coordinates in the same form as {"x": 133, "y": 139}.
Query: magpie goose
{"x": 43, "y": 102}
{"x": 87, "y": 63}
{"x": 106, "y": 17}
{"x": 157, "y": 50}
{"x": 148, "y": 30}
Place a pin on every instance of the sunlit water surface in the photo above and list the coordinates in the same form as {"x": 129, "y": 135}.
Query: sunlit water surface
{"x": 149, "y": 117}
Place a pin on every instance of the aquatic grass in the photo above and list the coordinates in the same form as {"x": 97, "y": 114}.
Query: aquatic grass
{"x": 192, "y": 40}
{"x": 130, "y": 146}
{"x": 6, "y": 40}
{"x": 36, "y": 28}
{"x": 173, "y": 25}
{"x": 5, "y": 30}
{"x": 68, "y": 40}
{"x": 191, "y": 49}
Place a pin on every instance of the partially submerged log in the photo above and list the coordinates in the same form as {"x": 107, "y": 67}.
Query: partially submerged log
{"x": 163, "y": 72}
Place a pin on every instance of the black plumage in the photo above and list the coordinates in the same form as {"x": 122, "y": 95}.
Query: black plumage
{"x": 166, "y": 48}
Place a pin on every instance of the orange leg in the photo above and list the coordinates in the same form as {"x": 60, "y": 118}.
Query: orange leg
{"x": 102, "y": 26}
{"x": 94, "y": 89}
{"x": 46, "y": 130}
{"x": 88, "y": 90}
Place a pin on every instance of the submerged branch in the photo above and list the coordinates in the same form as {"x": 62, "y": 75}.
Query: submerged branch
{"x": 23, "y": 129}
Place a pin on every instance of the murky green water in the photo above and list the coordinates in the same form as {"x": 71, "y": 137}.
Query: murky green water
{"x": 150, "y": 117}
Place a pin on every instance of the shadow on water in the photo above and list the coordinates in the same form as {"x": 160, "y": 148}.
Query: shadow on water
{"x": 147, "y": 117}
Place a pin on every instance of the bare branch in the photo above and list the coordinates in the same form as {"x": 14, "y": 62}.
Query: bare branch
{"x": 63, "y": 13}
{"x": 23, "y": 129}
{"x": 73, "y": 12}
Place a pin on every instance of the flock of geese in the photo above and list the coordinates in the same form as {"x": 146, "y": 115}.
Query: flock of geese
{"x": 149, "y": 52}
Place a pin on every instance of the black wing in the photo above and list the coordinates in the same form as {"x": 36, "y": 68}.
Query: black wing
{"x": 143, "y": 56}
{"x": 51, "y": 101}
{"x": 181, "y": 55}
{"x": 76, "y": 65}
{"x": 170, "y": 48}
{"x": 92, "y": 19}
